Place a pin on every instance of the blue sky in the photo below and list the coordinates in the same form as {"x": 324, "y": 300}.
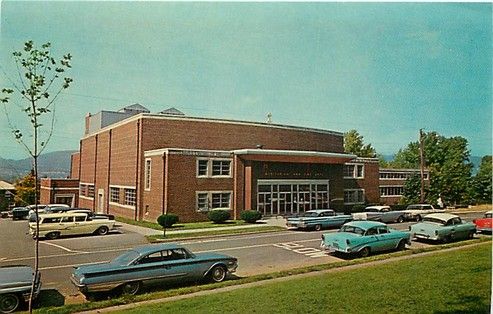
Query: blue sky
{"x": 385, "y": 69}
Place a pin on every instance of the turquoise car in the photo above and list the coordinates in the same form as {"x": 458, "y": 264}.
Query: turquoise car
{"x": 163, "y": 262}
{"x": 365, "y": 237}
{"x": 443, "y": 227}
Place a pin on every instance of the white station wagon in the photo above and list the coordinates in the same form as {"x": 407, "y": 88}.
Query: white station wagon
{"x": 52, "y": 226}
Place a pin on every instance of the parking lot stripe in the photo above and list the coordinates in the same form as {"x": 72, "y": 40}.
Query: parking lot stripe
{"x": 62, "y": 247}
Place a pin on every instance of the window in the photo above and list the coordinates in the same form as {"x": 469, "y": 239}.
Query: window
{"x": 356, "y": 196}
{"x": 220, "y": 200}
{"x": 67, "y": 219}
{"x": 130, "y": 197}
{"x": 221, "y": 167}
{"x": 80, "y": 218}
{"x": 90, "y": 190}
{"x": 391, "y": 191}
{"x": 212, "y": 200}
{"x": 202, "y": 167}
{"x": 213, "y": 167}
{"x": 82, "y": 189}
{"x": 354, "y": 171}
{"x": 147, "y": 174}
{"x": 202, "y": 202}
{"x": 114, "y": 194}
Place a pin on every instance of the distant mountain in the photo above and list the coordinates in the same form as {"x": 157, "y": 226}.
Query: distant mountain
{"x": 53, "y": 165}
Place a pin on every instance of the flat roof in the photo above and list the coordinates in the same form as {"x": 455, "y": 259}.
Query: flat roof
{"x": 215, "y": 120}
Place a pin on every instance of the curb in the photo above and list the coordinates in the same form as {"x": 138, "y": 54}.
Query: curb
{"x": 213, "y": 236}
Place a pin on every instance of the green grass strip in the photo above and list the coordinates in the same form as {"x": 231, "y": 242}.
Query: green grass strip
{"x": 182, "y": 226}
{"x": 187, "y": 290}
{"x": 172, "y": 236}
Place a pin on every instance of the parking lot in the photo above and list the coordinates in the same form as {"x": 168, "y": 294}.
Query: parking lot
{"x": 260, "y": 253}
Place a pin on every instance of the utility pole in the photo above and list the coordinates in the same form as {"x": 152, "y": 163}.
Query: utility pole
{"x": 422, "y": 164}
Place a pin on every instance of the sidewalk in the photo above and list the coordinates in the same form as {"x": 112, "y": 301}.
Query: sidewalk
{"x": 271, "y": 221}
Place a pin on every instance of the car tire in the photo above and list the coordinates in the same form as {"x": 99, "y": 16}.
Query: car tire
{"x": 318, "y": 227}
{"x": 364, "y": 252}
{"x": 470, "y": 235}
{"x": 400, "y": 219}
{"x": 52, "y": 235}
{"x": 131, "y": 288}
{"x": 9, "y": 302}
{"x": 418, "y": 218}
{"x": 401, "y": 246}
{"x": 102, "y": 230}
{"x": 218, "y": 273}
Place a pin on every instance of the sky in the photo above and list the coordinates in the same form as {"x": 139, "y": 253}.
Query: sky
{"x": 384, "y": 69}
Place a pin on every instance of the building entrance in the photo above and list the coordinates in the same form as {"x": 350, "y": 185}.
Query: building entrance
{"x": 287, "y": 197}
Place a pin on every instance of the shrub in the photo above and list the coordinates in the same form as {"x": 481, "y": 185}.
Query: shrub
{"x": 167, "y": 220}
{"x": 218, "y": 216}
{"x": 358, "y": 208}
{"x": 251, "y": 216}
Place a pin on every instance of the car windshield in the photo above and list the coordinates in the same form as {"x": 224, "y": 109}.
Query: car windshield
{"x": 310, "y": 214}
{"x": 352, "y": 229}
{"x": 434, "y": 220}
{"x": 126, "y": 258}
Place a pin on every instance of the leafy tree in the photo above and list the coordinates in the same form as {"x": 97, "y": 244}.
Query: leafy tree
{"x": 448, "y": 162}
{"x": 354, "y": 144}
{"x": 411, "y": 190}
{"x": 481, "y": 187}
{"x": 25, "y": 190}
{"x": 38, "y": 85}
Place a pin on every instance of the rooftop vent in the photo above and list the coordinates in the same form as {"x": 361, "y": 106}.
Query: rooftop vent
{"x": 135, "y": 108}
{"x": 172, "y": 111}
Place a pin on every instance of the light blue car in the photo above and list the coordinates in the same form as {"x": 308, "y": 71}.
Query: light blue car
{"x": 317, "y": 219}
{"x": 162, "y": 262}
{"x": 443, "y": 227}
{"x": 365, "y": 237}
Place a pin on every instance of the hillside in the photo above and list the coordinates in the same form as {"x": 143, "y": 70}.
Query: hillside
{"x": 54, "y": 165}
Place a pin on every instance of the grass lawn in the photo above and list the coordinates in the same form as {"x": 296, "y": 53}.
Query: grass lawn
{"x": 171, "y": 236}
{"x": 447, "y": 282}
{"x": 182, "y": 226}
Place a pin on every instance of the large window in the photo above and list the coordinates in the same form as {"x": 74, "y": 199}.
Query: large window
{"x": 401, "y": 175}
{"x": 130, "y": 197}
{"x": 354, "y": 196}
{"x": 147, "y": 174}
{"x": 213, "y": 168}
{"x": 83, "y": 189}
{"x": 213, "y": 200}
{"x": 114, "y": 194}
{"x": 221, "y": 167}
{"x": 354, "y": 171}
{"x": 90, "y": 190}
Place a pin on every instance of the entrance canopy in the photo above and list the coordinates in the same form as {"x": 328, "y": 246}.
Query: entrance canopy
{"x": 293, "y": 156}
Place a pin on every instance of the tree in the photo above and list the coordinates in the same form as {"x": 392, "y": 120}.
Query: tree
{"x": 38, "y": 85}
{"x": 481, "y": 183}
{"x": 411, "y": 190}
{"x": 25, "y": 191}
{"x": 354, "y": 144}
{"x": 448, "y": 162}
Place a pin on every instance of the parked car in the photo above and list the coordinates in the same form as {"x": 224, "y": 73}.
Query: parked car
{"x": 318, "y": 219}
{"x": 20, "y": 213}
{"x": 483, "y": 225}
{"x": 418, "y": 211}
{"x": 42, "y": 209}
{"x": 164, "y": 262}
{"x": 52, "y": 226}
{"x": 442, "y": 227}
{"x": 15, "y": 286}
{"x": 380, "y": 213}
{"x": 90, "y": 213}
{"x": 365, "y": 237}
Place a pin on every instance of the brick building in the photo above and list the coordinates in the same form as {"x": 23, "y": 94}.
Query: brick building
{"x": 59, "y": 191}
{"x": 137, "y": 164}
{"x": 391, "y": 183}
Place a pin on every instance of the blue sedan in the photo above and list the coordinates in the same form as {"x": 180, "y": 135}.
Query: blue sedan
{"x": 163, "y": 262}
{"x": 364, "y": 237}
